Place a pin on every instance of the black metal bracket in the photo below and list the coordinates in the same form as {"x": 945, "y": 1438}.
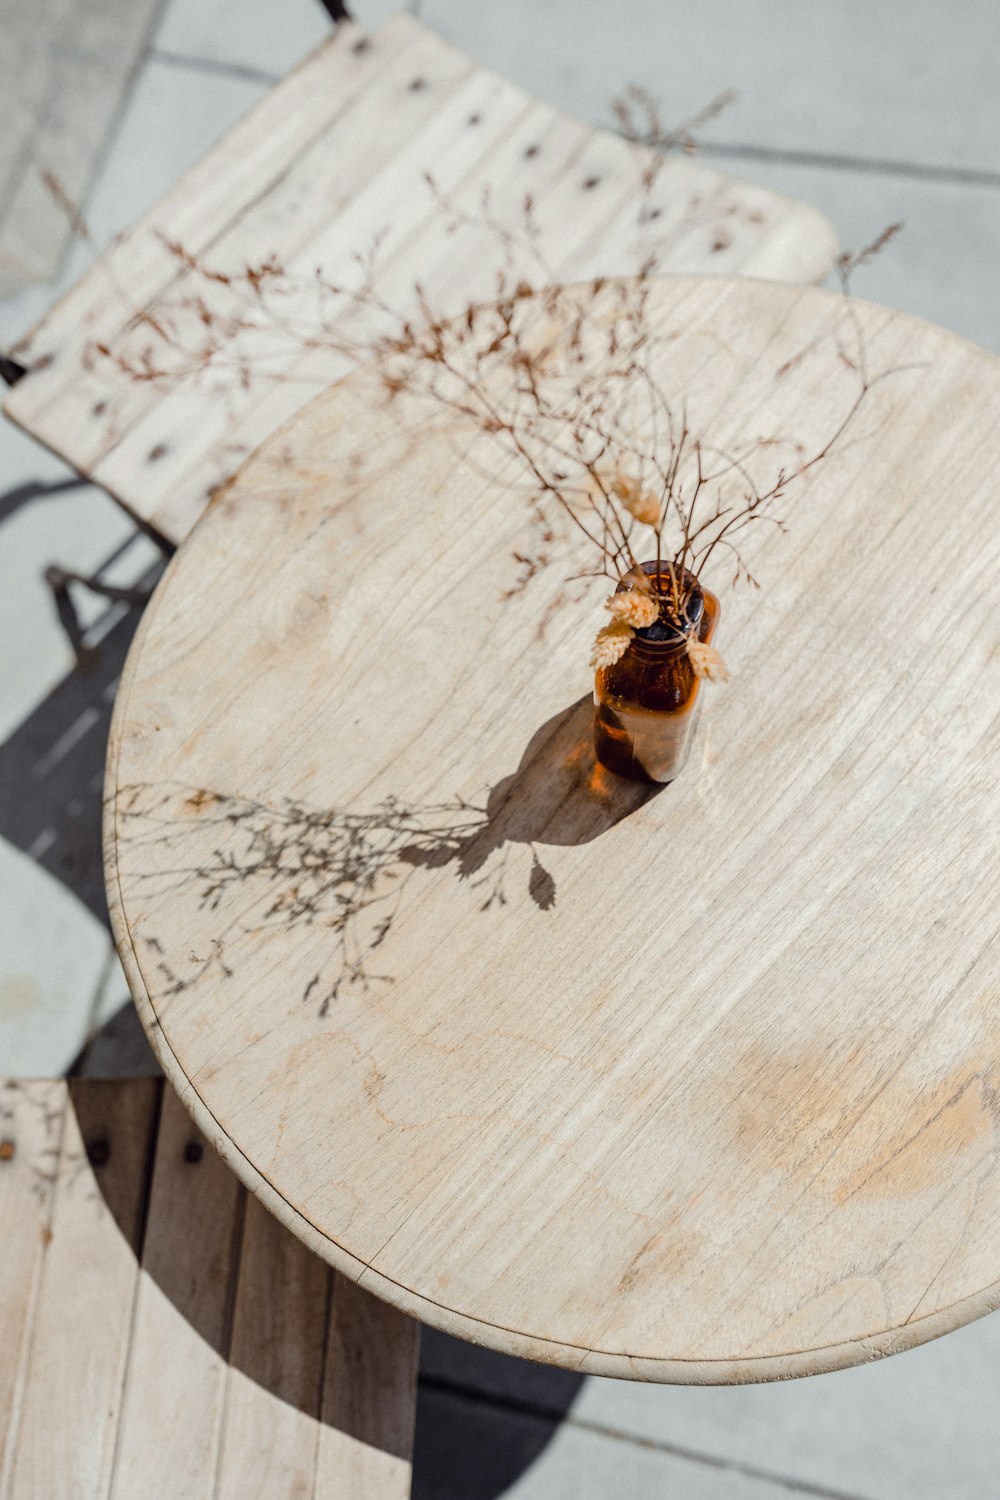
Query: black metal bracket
{"x": 59, "y": 580}
{"x": 10, "y": 370}
{"x": 336, "y": 10}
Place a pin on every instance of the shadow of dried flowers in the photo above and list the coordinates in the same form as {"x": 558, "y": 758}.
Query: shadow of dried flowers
{"x": 294, "y": 866}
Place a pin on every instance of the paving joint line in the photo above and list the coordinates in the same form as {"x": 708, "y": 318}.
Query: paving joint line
{"x": 844, "y": 162}
{"x": 213, "y": 65}
{"x": 541, "y": 1413}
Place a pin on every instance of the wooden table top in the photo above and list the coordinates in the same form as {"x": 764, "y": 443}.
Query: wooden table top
{"x": 694, "y": 1086}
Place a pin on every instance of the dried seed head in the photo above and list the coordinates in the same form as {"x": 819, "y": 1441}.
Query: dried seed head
{"x": 636, "y": 608}
{"x": 611, "y": 644}
{"x": 643, "y": 506}
{"x": 706, "y": 661}
{"x": 628, "y": 493}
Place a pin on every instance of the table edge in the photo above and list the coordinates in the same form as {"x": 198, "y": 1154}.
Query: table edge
{"x": 732, "y": 1370}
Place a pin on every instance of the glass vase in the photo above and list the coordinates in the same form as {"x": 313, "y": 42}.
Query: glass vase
{"x": 648, "y": 702}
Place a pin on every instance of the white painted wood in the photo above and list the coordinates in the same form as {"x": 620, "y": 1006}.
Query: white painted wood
{"x": 333, "y": 156}
{"x": 733, "y": 1124}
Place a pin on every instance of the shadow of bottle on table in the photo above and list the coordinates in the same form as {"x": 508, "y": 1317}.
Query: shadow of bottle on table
{"x": 287, "y": 865}
{"x": 558, "y": 796}
{"x": 237, "y": 1277}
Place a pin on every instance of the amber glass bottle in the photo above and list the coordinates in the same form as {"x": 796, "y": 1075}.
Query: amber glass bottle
{"x": 647, "y": 702}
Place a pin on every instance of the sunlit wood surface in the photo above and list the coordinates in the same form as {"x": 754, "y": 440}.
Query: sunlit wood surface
{"x": 696, "y": 1087}
{"x": 163, "y": 1334}
{"x": 331, "y": 162}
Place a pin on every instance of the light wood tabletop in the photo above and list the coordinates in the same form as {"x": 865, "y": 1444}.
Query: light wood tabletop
{"x": 695, "y": 1086}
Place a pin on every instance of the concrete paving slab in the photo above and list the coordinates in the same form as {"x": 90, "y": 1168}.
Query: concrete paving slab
{"x": 53, "y": 956}
{"x": 266, "y": 38}
{"x": 471, "y": 1450}
{"x": 942, "y": 266}
{"x": 65, "y": 69}
{"x": 46, "y": 516}
{"x": 919, "y": 1426}
{"x": 913, "y": 83}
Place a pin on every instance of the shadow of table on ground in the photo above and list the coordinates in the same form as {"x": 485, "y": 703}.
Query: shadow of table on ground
{"x": 262, "y": 1332}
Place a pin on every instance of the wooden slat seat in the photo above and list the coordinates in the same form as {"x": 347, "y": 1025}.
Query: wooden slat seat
{"x": 333, "y": 157}
{"x": 161, "y": 1335}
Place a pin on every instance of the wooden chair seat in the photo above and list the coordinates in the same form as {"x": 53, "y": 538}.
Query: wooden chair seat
{"x": 333, "y": 157}
{"x": 162, "y": 1335}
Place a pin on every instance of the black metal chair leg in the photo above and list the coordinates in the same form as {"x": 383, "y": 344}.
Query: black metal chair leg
{"x": 337, "y": 10}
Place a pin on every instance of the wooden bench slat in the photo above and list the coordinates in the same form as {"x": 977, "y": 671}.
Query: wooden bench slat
{"x": 333, "y": 154}
{"x": 273, "y": 1397}
{"x": 371, "y": 1369}
{"x": 583, "y": 232}
{"x": 32, "y": 1115}
{"x": 176, "y": 1380}
{"x": 72, "y": 1384}
{"x": 233, "y": 1364}
{"x": 398, "y": 205}
{"x": 240, "y": 169}
{"x": 348, "y": 171}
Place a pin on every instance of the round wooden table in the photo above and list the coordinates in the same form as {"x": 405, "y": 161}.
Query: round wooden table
{"x": 693, "y": 1086}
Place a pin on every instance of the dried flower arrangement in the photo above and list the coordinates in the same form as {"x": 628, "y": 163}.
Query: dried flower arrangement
{"x": 561, "y": 379}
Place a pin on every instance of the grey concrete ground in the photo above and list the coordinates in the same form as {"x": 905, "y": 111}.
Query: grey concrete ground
{"x": 872, "y": 112}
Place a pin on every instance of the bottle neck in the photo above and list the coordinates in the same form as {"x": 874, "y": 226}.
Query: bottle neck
{"x": 653, "y": 651}
{"x": 663, "y": 640}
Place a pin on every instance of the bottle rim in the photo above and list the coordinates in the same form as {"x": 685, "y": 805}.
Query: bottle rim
{"x": 678, "y": 635}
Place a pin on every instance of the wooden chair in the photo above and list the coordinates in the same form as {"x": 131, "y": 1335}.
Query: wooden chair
{"x": 333, "y": 156}
{"x": 162, "y": 1335}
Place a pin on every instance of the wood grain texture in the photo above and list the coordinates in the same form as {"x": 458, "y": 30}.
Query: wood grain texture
{"x": 332, "y": 158}
{"x": 162, "y": 1334}
{"x": 696, "y": 1087}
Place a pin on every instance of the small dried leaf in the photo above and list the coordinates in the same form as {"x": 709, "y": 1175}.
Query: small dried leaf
{"x": 643, "y": 506}
{"x": 706, "y": 661}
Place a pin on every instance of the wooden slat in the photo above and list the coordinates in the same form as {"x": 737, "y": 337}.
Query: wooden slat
{"x": 366, "y": 1440}
{"x": 585, "y": 187}
{"x": 399, "y": 206}
{"x": 225, "y": 1367}
{"x": 345, "y": 174}
{"x": 176, "y": 1380}
{"x": 273, "y": 1399}
{"x": 249, "y": 160}
{"x": 72, "y": 1384}
{"x": 31, "y": 1123}
{"x": 315, "y": 184}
